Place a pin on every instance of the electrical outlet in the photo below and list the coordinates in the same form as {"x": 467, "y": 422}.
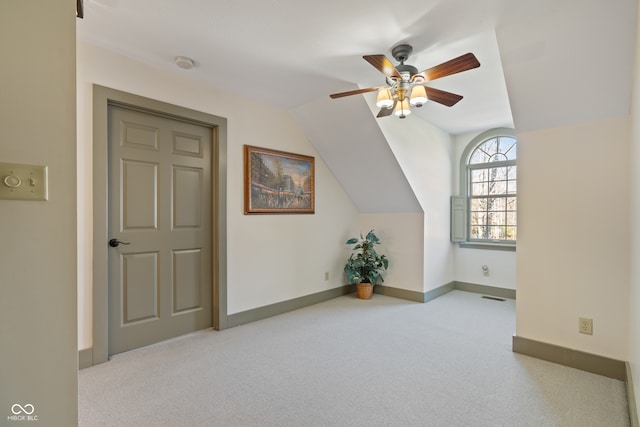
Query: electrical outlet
{"x": 585, "y": 326}
{"x": 326, "y": 275}
{"x": 485, "y": 270}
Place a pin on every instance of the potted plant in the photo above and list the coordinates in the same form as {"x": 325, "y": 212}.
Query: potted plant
{"x": 364, "y": 265}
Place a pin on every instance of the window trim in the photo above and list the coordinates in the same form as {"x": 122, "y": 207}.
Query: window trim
{"x": 464, "y": 189}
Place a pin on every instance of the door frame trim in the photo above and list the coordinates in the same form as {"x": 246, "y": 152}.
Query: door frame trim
{"x": 102, "y": 98}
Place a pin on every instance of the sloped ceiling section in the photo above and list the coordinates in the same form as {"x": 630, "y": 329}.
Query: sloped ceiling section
{"x": 485, "y": 102}
{"x": 351, "y": 144}
{"x": 569, "y": 62}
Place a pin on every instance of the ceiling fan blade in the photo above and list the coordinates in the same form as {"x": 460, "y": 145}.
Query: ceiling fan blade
{"x": 355, "y": 92}
{"x": 462, "y": 63}
{"x": 442, "y": 97}
{"x": 383, "y": 65}
{"x": 384, "y": 112}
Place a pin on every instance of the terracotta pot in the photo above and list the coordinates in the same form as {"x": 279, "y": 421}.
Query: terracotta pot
{"x": 365, "y": 290}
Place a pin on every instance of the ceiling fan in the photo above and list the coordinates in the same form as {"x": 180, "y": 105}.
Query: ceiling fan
{"x": 405, "y": 85}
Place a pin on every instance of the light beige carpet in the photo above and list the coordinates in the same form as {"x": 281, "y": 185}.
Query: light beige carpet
{"x": 349, "y": 362}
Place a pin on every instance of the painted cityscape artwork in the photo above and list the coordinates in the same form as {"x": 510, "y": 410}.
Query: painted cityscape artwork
{"x": 276, "y": 182}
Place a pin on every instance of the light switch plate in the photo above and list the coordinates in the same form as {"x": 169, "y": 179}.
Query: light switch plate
{"x": 23, "y": 182}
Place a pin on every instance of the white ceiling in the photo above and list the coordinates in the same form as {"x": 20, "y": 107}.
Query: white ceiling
{"x": 544, "y": 63}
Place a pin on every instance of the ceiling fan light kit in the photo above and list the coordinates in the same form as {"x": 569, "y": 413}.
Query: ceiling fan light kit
{"x": 418, "y": 96}
{"x": 385, "y": 99}
{"x": 402, "y": 109}
{"x": 405, "y": 86}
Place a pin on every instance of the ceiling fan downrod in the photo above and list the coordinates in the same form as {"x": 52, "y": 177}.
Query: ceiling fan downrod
{"x": 401, "y": 53}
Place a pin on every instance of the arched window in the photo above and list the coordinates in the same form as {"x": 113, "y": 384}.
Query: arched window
{"x": 489, "y": 185}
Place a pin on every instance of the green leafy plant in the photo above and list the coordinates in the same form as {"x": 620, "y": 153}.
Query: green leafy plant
{"x": 364, "y": 264}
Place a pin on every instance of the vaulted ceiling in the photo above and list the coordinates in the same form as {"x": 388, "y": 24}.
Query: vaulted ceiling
{"x": 543, "y": 63}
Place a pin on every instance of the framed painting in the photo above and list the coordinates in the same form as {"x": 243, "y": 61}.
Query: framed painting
{"x": 277, "y": 182}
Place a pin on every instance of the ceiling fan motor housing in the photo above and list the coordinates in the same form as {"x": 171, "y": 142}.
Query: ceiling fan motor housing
{"x": 406, "y": 71}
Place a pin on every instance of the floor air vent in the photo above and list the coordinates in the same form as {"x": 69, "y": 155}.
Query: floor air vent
{"x": 493, "y": 298}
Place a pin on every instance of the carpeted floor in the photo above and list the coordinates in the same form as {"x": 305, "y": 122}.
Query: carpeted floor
{"x": 349, "y": 362}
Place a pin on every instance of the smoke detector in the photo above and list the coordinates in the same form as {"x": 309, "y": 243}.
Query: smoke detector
{"x": 184, "y": 62}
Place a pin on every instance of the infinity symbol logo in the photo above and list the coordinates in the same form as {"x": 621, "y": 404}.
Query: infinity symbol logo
{"x": 17, "y": 409}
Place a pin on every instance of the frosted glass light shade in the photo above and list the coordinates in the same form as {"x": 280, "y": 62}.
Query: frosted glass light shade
{"x": 402, "y": 109}
{"x": 384, "y": 99}
{"x": 418, "y": 96}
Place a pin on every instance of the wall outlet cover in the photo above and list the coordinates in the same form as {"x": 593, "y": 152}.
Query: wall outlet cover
{"x": 585, "y": 326}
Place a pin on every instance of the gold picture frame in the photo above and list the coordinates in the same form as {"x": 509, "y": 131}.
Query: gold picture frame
{"x": 277, "y": 182}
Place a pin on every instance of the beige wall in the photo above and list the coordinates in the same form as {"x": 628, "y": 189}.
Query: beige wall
{"x": 501, "y": 265}
{"x": 468, "y": 262}
{"x": 634, "y": 300}
{"x": 270, "y": 258}
{"x": 401, "y": 237}
{"x": 38, "y": 347}
{"x": 573, "y": 242}
{"x": 424, "y": 153}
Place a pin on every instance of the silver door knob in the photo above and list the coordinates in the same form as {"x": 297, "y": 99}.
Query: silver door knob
{"x": 114, "y": 243}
